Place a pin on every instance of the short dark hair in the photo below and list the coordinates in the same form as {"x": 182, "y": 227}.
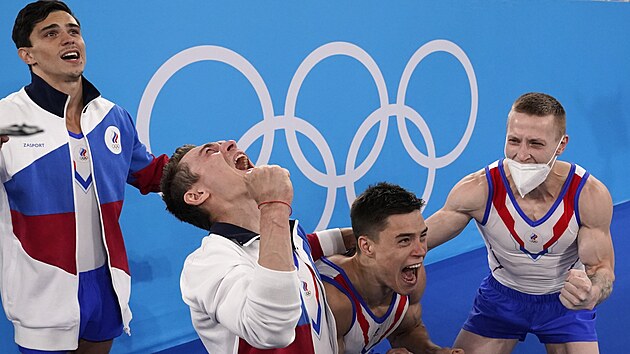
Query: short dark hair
{"x": 176, "y": 180}
{"x": 31, "y": 15}
{"x": 540, "y": 105}
{"x": 371, "y": 209}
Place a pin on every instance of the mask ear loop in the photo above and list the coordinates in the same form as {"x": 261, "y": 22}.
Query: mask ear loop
{"x": 553, "y": 159}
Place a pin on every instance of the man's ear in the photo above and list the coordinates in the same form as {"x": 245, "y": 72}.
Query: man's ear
{"x": 25, "y": 54}
{"x": 195, "y": 196}
{"x": 365, "y": 245}
{"x": 563, "y": 145}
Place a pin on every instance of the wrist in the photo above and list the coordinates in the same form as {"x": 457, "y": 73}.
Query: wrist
{"x": 275, "y": 205}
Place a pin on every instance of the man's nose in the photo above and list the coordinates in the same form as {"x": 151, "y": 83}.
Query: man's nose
{"x": 228, "y": 145}
{"x": 419, "y": 248}
{"x": 66, "y": 38}
{"x": 523, "y": 154}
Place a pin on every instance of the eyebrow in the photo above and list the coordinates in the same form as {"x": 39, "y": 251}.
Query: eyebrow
{"x": 407, "y": 234}
{"x": 54, "y": 25}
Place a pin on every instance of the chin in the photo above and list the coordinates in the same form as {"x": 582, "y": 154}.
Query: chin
{"x": 405, "y": 288}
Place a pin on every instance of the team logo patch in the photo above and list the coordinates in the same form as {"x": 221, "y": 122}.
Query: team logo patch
{"x": 81, "y": 154}
{"x": 533, "y": 238}
{"x": 112, "y": 139}
{"x": 305, "y": 290}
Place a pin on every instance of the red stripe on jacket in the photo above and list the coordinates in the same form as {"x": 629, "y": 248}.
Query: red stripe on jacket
{"x": 48, "y": 238}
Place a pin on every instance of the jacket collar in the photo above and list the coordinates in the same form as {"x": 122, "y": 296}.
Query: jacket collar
{"x": 233, "y": 232}
{"x": 54, "y": 101}
{"x": 237, "y": 233}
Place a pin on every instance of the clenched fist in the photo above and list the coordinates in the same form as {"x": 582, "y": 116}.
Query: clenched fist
{"x": 269, "y": 183}
{"x": 578, "y": 292}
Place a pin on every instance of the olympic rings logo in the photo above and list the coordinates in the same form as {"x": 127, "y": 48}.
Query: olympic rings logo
{"x": 290, "y": 123}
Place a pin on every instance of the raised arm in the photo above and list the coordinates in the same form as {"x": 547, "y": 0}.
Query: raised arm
{"x": 271, "y": 188}
{"x": 330, "y": 242}
{"x": 466, "y": 200}
{"x": 585, "y": 290}
{"x": 221, "y": 282}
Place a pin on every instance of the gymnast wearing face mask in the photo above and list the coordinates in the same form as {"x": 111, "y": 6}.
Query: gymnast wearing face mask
{"x": 528, "y": 176}
{"x": 546, "y": 225}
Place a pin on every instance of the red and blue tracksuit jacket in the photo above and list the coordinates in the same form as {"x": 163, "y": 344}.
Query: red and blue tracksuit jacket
{"x": 38, "y": 238}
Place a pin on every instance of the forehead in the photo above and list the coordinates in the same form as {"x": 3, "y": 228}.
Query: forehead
{"x": 410, "y": 223}
{"x": 196, "y": 152}
{"x": 60, "y": 18}
{"x": 191, "y": 155}
{"x": 523, "y": 124}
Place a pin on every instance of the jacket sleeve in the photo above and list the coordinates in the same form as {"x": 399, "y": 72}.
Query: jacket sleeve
{"x": 259, "y": 305}
{"x": 148, "y": 179}
{"x": 326, "y": 243}
{"x": 145, "y": 170}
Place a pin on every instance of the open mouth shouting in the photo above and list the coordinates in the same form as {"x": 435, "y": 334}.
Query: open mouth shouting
{"x": 71, "y": 56}
{"x": 242, "y": 162}
{"x": 410, "y": 273}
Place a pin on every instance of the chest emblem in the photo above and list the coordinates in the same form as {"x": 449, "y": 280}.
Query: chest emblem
{"x": 112, "y": 139}
{"x": 305, "y": 290}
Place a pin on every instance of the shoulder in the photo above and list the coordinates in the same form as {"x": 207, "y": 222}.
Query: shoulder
{"x": 476, "y": 180}
{"x": 217, "y": 252}
{"x": 470, "y": 193}
{"x": 595, "y": 203}
{"x": 332, "y": 266}
{"x": 103, "y": 104}
{"x": 14, "y": 102}
{"x": 341, "y": 306}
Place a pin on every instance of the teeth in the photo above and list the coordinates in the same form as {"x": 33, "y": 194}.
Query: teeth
{"x": 414, "y": 266}
{"x": 70, "y": 55}
{"x": 241, "y": 162}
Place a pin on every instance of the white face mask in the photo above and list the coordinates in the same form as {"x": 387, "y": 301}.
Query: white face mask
{"x": 527, "y": 176}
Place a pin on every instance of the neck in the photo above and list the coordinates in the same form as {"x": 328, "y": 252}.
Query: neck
{"x": 73, "y": 113}
{"x": 244, "y": 214}
{"x": 365, "y": 279}
{"x": 73, "y": 87}
{"x": 70, "y": 85}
